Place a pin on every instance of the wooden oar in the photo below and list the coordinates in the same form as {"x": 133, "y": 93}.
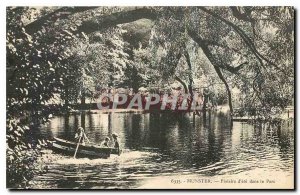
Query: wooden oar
{"x": 77, "y": 146}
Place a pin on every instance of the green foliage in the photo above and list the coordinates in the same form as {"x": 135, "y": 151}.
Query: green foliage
{"x": 55, "y": 60}
{"x": 94, "y": 62}
{"x": 30, "y": 84}
{"x": 21, "y": 156}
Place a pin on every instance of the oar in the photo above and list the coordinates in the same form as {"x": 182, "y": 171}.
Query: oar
{"x": 77, "y": 146}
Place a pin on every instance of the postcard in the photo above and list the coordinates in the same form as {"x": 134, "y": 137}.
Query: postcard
{"x": 150, "y": 97}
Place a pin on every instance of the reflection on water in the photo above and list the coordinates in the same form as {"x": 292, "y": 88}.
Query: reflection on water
{"x": 163, "y": 144}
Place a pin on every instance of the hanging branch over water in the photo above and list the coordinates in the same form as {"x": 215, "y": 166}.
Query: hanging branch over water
{"x": 246, "y": 39}
{"x": 60, "y": 13}
{"x": 215, "y": 64}
{"x": 188, "y": 61}
{"x": 113, "y": 19}
{"x": 182, "y": 83}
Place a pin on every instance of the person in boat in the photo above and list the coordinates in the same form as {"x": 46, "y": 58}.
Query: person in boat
{"x": 116, "y": 142}
{"x": 105, "y": 142}
{"x": 80, "y": 135}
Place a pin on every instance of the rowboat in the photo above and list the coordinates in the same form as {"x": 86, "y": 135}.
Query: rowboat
{"x": 84, "y": 150}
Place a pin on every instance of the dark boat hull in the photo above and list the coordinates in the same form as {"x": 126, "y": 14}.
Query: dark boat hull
{"x": 85, "y": 151}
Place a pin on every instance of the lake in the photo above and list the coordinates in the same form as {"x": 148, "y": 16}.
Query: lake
{"x": 165, "y": 150}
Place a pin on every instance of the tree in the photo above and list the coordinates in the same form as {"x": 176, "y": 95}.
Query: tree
{"x": 224, "y": 31}
{"x": 240, "y": 32}
{"x": 30, "y": 85}
{"x": 41, "y": 66}
{"x": 94, "y": 62}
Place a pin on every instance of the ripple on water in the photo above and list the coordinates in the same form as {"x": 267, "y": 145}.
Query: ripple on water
{"x": 163, "y": 146}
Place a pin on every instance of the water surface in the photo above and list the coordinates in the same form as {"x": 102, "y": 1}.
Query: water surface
{"x": 168, "y": 146}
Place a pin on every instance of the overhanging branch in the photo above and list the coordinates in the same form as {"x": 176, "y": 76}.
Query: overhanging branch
{"x": 215, "y": 64}
{"x": 210, "y": 56}
{"x": 245, "y": 38}
{"x": 113, "y": 19}
{"x": 52, "y": 17}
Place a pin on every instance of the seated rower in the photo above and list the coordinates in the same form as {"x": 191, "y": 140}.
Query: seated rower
{"x": 116, "y": 142}
{"x": 105, "y": 143}
{"x": 80, "y": 136}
